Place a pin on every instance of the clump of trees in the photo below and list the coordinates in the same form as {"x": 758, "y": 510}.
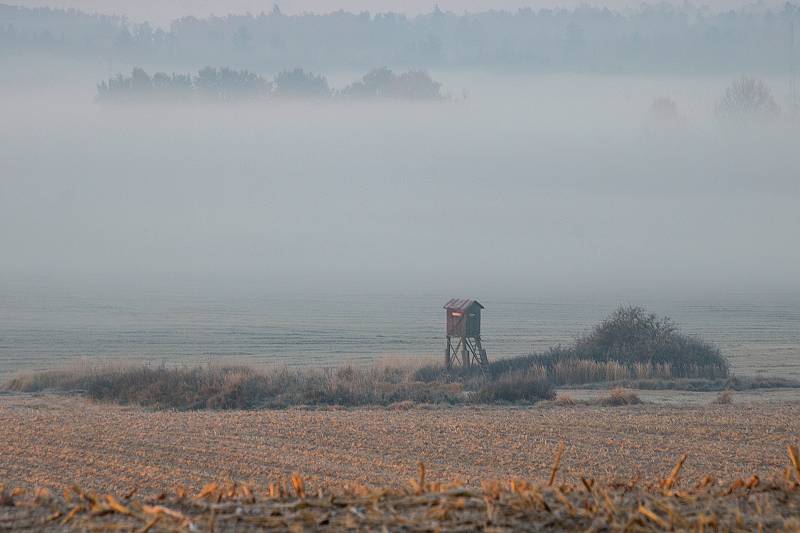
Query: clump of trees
{"x": 382, "y": 82}
{"x": 300, "y": 84}
{"x": 210, "y": 84}
{"x": 228, "y": 85}
{"x": 747, "y": 100}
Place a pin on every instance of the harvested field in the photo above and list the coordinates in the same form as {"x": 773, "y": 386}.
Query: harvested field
{"x": 741, "y": 505}
{"x": 56, "y": 441}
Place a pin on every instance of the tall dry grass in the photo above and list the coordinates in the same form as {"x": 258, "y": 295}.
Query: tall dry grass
{"x": 570, "y": 371}
{"x": 240, "y": 387}
{"x": 581, "y": 371}
{"x": 527, "y": 386}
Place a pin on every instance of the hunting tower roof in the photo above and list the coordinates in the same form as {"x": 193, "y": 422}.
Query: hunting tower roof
{"x": 461, "y": 304}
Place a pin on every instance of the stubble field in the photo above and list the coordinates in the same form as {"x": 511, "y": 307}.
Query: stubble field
{"x": 58, "y": 441}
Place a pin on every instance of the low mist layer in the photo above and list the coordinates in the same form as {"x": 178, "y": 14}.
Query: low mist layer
{"x": 531, "y": 182}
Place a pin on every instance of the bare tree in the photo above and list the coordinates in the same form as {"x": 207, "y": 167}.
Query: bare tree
{"x": 748, "y": 99}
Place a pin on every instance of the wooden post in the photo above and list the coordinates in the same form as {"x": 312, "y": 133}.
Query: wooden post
{"x": 447, "y": 361}
{"x": 481, "y": 352}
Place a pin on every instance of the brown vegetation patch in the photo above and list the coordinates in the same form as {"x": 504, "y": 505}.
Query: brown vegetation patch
{"x": 619, "y": 397}
{"x": 746, "y": 504}
{"x": 725, "y": 397}
{"x": 240, "y": 387}
{"x": 565, "y": 400}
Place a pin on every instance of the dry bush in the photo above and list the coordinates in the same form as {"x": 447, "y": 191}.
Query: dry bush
{"x": 619, "y": 397}
{"x": 632, "y": 336}
{"x": 725, "y": 398}
{"x": 565, "y": 400}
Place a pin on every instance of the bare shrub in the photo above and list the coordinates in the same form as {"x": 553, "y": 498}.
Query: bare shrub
{"x": 565, "y": 400}
{"x": 724, "y": 398}
{"x": 631, "y": 335}
{"x": 619, "y": 397}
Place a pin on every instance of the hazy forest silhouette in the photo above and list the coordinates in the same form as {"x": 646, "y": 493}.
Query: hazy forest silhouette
{"x": 652, "y": 38}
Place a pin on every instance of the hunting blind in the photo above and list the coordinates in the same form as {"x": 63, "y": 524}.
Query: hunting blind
{"x": 464, "y": 333}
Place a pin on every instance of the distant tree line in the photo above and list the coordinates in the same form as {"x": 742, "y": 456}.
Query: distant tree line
{"x": 226, "y": 85}
{"x": 656, "y": 37}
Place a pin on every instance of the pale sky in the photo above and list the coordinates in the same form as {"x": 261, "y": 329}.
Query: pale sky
{"x": 163, "y": 11}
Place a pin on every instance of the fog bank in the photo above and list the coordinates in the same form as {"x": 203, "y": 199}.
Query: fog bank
{"x": 531, "y": 183}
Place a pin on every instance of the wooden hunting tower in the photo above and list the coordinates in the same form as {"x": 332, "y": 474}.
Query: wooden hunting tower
{"x": 464, "y": 324}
